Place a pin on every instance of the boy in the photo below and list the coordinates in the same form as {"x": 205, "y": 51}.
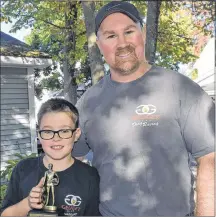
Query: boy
{"x": 78, "y": 190}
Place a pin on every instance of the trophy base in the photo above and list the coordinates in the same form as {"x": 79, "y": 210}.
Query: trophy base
{"x": 50, "y": 208}
{"x": 42, "y": 213}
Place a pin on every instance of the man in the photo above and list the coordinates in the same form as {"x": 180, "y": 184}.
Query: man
{"x": 142, "y": 123}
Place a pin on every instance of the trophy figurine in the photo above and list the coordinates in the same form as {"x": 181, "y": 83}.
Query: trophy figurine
{"x": 51, "y": 179}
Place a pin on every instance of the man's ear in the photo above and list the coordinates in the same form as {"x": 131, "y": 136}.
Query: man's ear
{"x": 144, "y": 32}
{"x": 98, "y": 43}
{"x": 77, "y": 134}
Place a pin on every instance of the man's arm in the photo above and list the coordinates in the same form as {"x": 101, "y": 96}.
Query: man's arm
{"x": 205, "y": 186}
{"x": 81, "y": 147}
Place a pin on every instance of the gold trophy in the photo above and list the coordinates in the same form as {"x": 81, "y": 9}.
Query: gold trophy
{"x": 50, "y": 180}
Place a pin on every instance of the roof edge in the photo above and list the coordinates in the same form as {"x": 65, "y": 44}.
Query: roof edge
{"x": 9, "y": 61}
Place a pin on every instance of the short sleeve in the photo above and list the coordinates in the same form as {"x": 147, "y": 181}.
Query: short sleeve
{"x": 198, "y": 121}
{"x": 12, "y": 194}
{"x": 92, "y": 207}
{"x": 81, "y": 147}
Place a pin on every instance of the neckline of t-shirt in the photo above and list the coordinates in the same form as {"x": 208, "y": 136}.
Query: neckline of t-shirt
{"x": 115, "y": 83}
{"x": 62, "y": 171}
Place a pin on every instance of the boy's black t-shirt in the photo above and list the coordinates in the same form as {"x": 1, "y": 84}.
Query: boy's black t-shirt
{"x": 76, "y": 194}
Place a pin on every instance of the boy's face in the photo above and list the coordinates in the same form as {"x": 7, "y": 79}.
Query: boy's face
{"x": 58, "y": 148}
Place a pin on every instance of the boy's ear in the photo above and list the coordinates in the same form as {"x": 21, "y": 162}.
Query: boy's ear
{"x": 77, "y": 134}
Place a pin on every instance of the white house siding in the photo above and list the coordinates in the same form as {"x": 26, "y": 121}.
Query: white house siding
{"x": 206, "y": 68}
{"x": 15, "y": 131}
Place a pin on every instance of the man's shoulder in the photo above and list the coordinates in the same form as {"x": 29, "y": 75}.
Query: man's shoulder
{"x": 174, "y": 77}
{"x": 181, "y": 84}
{"x": 92, "y": 93}
{"x": 166, "y": 71}
{"x": 96, "y": 87}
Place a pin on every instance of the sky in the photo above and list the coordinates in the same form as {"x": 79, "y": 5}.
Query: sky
{"x": 20, "y": 34}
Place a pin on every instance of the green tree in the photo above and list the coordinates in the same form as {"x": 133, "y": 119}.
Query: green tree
{"x": 57, "y": 28}
{"x": 176, "y": 31}
{"x": 65, "y": 30}
{"x": 170, "y": 41}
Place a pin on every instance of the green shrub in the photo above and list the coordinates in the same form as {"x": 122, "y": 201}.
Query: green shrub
{"x": 6, "y": 173}
{"x": 3, "y": 189}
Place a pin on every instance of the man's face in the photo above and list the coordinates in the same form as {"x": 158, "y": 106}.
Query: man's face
{"x": 121, "y": 41}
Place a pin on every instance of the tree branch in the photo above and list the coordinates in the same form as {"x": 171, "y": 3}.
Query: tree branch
{"x": 52, "y": 24}
{"x": 180, "y": 36}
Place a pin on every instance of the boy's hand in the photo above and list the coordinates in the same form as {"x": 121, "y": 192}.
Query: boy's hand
{"x": 35, "y": 196}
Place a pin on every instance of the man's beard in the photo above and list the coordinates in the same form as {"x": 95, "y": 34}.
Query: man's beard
{"x": 128, "y": 65}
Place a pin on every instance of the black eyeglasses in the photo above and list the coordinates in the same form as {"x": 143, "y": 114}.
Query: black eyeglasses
{"x": 63, "y": 133}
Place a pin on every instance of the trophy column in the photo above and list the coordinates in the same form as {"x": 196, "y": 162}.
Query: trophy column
{"x": 51, "y": 179}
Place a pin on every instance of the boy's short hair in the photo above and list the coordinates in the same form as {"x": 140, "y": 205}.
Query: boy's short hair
{"x": 58, "y": 105}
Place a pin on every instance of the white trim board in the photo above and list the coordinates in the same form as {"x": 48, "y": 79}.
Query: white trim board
{"x": 32, "y": 120}
{"x": 24, "y": 62}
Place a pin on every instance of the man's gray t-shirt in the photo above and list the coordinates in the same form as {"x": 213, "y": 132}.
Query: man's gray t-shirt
{"x": 141, "y": 133}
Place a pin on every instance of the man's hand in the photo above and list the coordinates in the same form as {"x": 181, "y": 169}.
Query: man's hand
{"x": 35, "y": 200}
